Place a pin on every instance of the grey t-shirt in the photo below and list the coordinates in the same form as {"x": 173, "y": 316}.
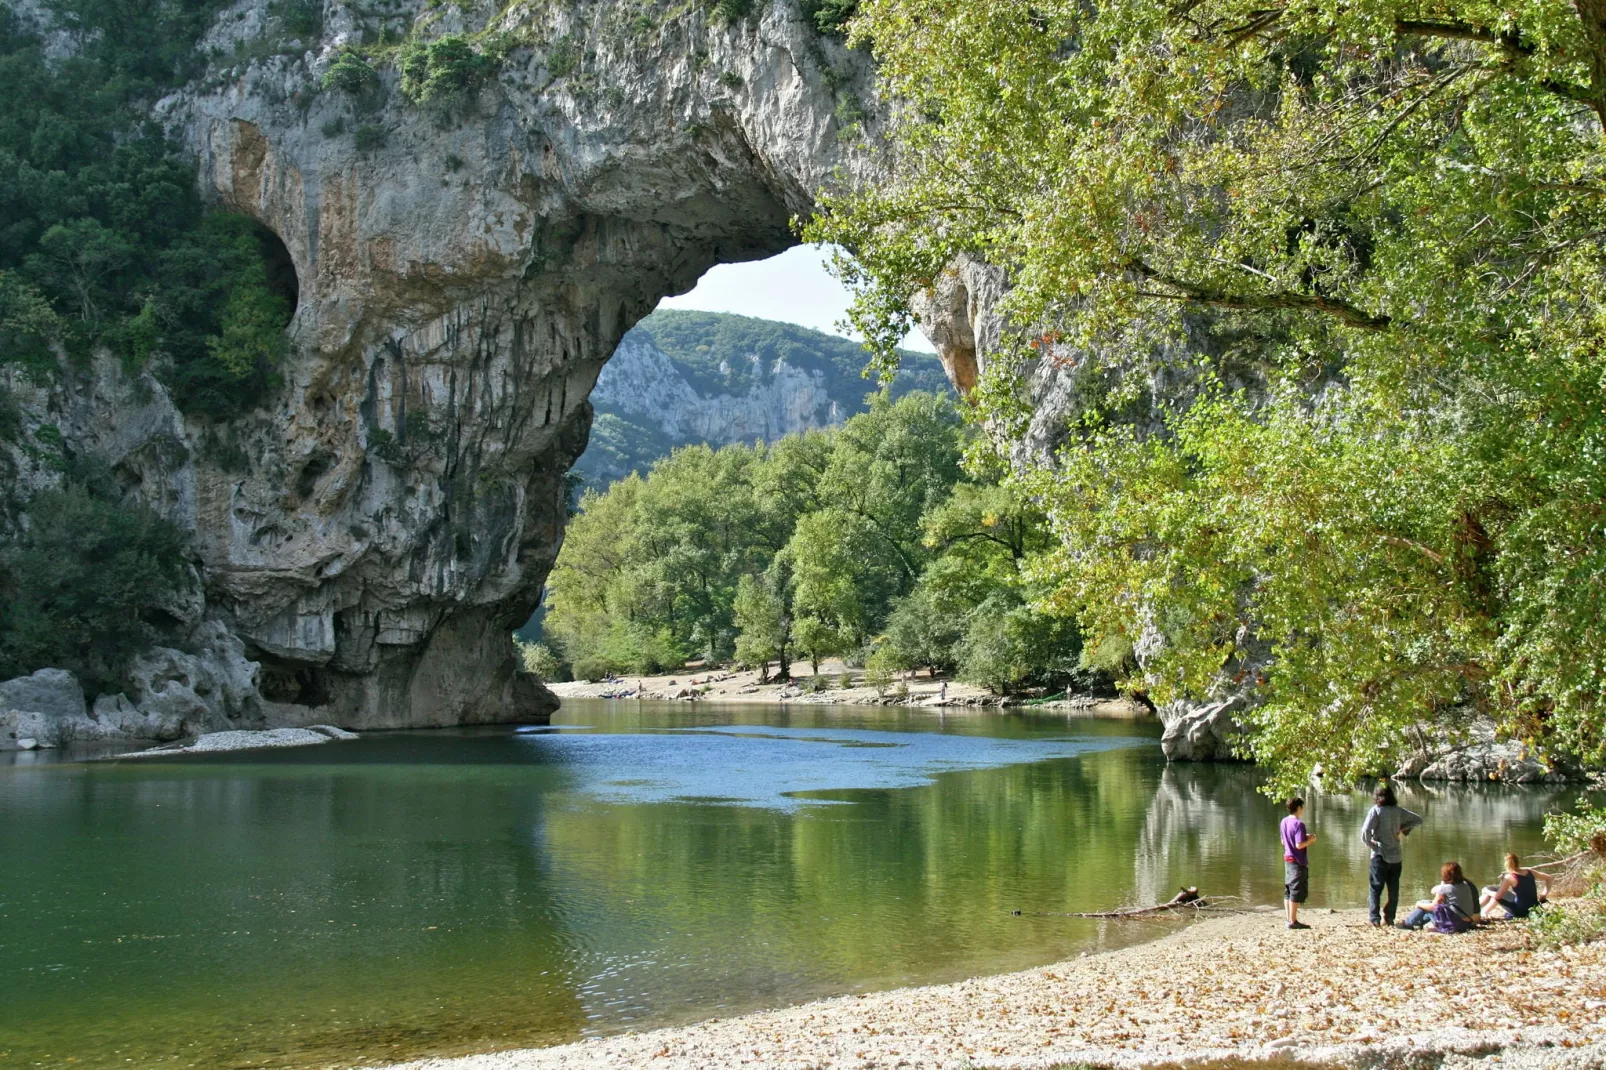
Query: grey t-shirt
{"x": 1382, "y": 828}
{"x": 1463, "y": 896}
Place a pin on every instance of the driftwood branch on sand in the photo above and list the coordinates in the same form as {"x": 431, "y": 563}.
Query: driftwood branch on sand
{"x": 1187, "y": 900}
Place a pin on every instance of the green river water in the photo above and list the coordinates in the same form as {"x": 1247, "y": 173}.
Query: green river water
{"x": 635, "y": 865}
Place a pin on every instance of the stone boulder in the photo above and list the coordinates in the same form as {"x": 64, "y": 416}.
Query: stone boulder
{"x": 1484, "y": 758}
{"x": 41, "y": 707}
{"x": 1201, "y": 731}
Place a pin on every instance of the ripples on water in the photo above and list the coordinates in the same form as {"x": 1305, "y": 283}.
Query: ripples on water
{"x": 635, "y": 865}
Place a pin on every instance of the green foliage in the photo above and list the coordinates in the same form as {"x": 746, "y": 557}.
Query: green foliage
{"x": 563, "y": 58}
{"x": 1578, "y": 920}
{"x": 102, "y": 236}
{"x": 733, "y": 10}
{"x": 350, "y": 73}
{"x": 809, "y": 546}
{"x": 763, "y": 621}
{"x": 300, "y": 18}
{"x": 84, "y": 587}
{"x": 1582, "y": 830}
{"x": 1360, "y": 247}
{"x": 370, "y": 136}
{"x": 447, "y": 66}
{"x": 829, "y": 16}
{"x": 540, "y": 660}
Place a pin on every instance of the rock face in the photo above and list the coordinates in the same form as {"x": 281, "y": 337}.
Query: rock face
{"x": 367, "y": 540}
{"x": 1485, "y": 758}
{"x": 641, "y": 381}
{"x": 1201, "y": 731}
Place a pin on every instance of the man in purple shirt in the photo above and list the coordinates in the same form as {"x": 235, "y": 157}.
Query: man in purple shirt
{"x": 1296, "y": 863}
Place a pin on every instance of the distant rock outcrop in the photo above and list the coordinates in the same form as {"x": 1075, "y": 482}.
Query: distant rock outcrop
{"x": 704, "y": 377}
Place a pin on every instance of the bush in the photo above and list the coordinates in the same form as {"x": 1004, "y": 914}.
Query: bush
{"x": 829, "y": 16}
{"x": 440, "y": 68}
{"x": 1572, "y": 921}
{"x": 733, "y": 10}
{"x": 350, "y": 74}
{"x": 84, "y": 588}
{"x": 816, "y": 684}
{"x": 845, "y": 681}
{"x": 563, "y": 57}
{"x": 540, "y": 660}
{"x": 370, "y": 136}
{"x": 302, "y": 18}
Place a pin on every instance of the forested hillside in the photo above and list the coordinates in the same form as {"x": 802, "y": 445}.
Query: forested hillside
{"x": 870, "y": 541}
{"x": 682, "y": 377}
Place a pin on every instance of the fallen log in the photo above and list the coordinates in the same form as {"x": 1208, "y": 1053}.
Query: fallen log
{"x": 1188, "y": 899}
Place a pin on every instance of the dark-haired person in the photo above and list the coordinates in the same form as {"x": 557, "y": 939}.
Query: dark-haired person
{"x": 1517, "y": 893}
{"x": 1387, "y": 823}
{"x": 1454, "y": 906}
{"x": 1296, "y": 862}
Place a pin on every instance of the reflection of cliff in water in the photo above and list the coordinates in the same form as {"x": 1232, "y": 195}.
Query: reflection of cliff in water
{"x": 1195, "y": 825}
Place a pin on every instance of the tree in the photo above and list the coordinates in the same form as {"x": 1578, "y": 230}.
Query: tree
{"x": 88, "y": 586}
{"x": 764, "y": 623}
{"x": 1360, "y": 248}
{"x": 920, "y": 633}
{"x": 818, "y": 639}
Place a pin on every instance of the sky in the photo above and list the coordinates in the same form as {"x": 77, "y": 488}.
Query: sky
{"x": 793, "y": 287}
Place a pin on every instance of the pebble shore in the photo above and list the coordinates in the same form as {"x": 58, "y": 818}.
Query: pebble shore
{"x": 1235, "y": 987}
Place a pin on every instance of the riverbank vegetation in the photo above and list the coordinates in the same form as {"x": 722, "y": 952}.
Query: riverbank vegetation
{"x": 1327, "y": 287}
{"x": 871, "y": 542}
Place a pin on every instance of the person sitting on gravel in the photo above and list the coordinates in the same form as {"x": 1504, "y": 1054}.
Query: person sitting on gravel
{"x": 1296, "y": 862}
{"x": 1517, "y": 893}
{"x": 1454, "y": 906}
{"x": 1387, "y": 823}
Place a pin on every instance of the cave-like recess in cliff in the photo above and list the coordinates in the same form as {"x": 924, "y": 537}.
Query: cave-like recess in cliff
{"x": 281, "y": 269}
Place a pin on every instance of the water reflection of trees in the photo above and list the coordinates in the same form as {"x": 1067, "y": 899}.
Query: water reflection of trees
{"x": 295, "y": 912}
{"x": 1209, "y": 825}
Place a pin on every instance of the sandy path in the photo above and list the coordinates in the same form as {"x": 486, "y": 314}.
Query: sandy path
{"x": 1239, "y": 985}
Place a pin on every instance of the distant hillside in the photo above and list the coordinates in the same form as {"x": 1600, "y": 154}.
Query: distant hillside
{"x": 683, "y": 377}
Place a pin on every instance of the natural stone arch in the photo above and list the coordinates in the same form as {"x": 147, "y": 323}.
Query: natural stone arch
{"x": 460, "y": 287}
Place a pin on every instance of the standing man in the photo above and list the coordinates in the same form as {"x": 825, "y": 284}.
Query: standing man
{"x": 1296, "y": 863}
{"x": 1387, "y": 823}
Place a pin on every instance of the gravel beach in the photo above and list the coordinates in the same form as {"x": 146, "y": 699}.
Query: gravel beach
{"x": 1233, "y": 987}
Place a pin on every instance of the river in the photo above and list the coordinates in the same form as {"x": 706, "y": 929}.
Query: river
{"x": 634, "y": 865}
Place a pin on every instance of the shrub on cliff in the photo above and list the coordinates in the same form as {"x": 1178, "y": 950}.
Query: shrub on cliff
{"x": 432, "y": 70}
{"x": 84, "y": 588}
{"x": 350, "y": 73}
{"x": 100, "y": 223}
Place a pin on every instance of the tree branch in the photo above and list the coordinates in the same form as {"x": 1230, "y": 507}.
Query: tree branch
{"x": 1348, "y": 314}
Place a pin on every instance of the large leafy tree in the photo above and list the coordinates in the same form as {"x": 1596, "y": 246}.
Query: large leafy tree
{"x": 1328, "y": 279}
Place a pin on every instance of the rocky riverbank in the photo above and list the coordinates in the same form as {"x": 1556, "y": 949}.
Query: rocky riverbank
{"x": 1236, "y": 987}
{"x": 842, "y": 687}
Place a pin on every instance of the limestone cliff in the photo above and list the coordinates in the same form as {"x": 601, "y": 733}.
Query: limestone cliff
{"x": 702, "y": 377}
{"x": 366, "y": 541}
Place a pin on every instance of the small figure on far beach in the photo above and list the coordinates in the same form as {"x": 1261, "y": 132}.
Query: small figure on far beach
{"x": 1454, "y": 906}
{"x": 1517, "y": 893}
{"x": 942, "y": 692}
{"x": 1296, "y": 861}
{"x": 1387, "y": 823}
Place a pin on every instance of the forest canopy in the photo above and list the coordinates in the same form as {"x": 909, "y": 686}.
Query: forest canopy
{"x": 1328, "y": 282}
{"x": 869, "y": 542}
